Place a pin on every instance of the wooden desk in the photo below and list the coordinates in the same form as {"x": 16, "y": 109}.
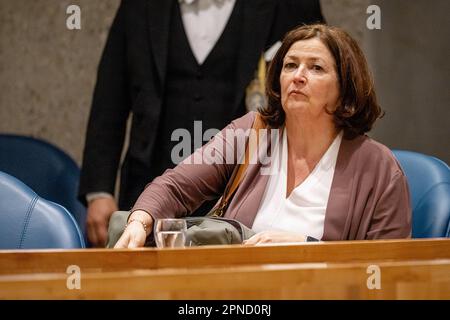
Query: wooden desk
{"x": 336, "y": 270}
{"x": 98, "y": 260}
{"x": 424, "y": 279}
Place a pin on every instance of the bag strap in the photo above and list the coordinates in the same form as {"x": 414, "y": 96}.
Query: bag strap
{"x": 238, "y": 175}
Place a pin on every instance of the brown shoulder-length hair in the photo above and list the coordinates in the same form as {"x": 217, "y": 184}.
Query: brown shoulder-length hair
{"x": 358, "y": 108}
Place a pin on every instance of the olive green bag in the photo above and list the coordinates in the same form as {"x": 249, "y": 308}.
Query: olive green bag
{"x": 215, "y": 230}
{"x": 211, "y": 229}
{"x": 208, "y": 230}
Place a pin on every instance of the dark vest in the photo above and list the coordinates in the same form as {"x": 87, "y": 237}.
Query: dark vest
{"x": 196, "y": 92}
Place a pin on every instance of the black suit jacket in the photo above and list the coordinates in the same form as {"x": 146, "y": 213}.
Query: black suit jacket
{"x": 131, "y": 78}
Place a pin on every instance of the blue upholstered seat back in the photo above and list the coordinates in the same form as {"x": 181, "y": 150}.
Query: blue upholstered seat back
{"x": 429, "y": 184}
{"x": 28, "y": 221}
{"x": 47, "y": 170}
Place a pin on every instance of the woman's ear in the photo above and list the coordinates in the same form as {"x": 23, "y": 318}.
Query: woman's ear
{"x": 332, "y": 110}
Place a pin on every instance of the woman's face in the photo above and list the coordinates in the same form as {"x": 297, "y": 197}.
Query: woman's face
{"x": 308, "y": 80}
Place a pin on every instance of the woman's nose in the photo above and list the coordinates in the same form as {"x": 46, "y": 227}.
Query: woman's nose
{"x": 300, "y": 74}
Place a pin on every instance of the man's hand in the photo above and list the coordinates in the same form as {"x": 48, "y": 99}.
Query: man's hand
{"x": 134, "y": 234}
{"x": 272, "y": 236}
{"x": 98, "y": 214}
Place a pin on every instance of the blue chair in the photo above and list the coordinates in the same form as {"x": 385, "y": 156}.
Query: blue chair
{"x": 29, "y": 222}
{"x": 46, "y": 169}
{"x": 429, "y": 185}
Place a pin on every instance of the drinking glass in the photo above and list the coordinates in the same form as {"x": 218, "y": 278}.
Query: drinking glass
{"x": 170, "y": 233}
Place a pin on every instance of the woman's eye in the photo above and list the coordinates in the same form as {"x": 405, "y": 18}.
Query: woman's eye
{"x": 316, "y": 67}
{"x": 290, "y": 66}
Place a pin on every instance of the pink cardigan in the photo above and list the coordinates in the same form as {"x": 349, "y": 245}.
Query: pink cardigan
{"x": 369, "y": 197}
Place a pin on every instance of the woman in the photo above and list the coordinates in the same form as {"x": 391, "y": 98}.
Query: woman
{"x": 328, "y": 180}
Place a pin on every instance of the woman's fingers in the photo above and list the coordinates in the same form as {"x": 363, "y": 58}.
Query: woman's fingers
{"x": 274, "y": 236}
{"x": 133, "y": 237}
{"x": 122, "y": 243}
{"x": 253, "y": 240}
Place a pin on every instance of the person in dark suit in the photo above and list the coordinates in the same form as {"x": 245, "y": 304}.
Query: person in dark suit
{"x": 167, "y": 71}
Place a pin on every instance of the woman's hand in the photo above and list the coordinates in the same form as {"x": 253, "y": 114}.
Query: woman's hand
{"x": 273, "y": 236}
{"x": 135, "y": 234}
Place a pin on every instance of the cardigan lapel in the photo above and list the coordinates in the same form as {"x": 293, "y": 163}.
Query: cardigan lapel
{"x": 249, "y": 201}
{"x": 159, "y": 14}
{"x": 257, "y": 19}
{"x": 339, "y": 212}
{"x": 251, "y": 191}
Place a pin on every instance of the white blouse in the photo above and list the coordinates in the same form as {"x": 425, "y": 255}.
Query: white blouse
{"x": 204, "y": 22}
{"x": 303, "y": 211}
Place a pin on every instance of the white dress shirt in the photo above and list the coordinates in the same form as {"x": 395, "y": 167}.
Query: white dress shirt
{"x": 303, "y": 212}
{"x": 204, "y": 22}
